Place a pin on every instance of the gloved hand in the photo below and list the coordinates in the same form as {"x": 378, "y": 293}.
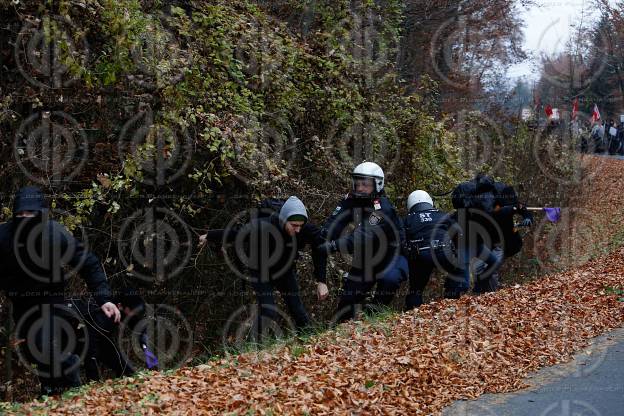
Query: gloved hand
{"x": 328, "y": 247}
{"x": 527, "y": 222}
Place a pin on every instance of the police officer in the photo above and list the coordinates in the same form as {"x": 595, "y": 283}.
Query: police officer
{"x": 34, "y": 250}
{"x": 374, "y": 243}
{"x": 427, "y": 245}
{"x": 269, "y": 246}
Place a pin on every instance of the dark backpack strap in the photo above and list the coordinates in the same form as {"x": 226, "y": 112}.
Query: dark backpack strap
{"x": 268, "y": 206}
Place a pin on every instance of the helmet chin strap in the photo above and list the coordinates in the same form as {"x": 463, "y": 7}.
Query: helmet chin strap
{"x": 366, "y": 198}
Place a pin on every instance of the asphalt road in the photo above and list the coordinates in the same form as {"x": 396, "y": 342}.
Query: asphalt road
{"x": 614, "y": 157}
{"x": 590, "y": 385}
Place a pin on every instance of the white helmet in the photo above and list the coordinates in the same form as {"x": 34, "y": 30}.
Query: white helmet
{"x": 418, "y": 197}
{"x": 370, "y": 170}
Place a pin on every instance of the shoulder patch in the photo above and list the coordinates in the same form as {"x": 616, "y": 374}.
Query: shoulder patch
{"x": 374, "y": 219}
{"x": 377, "y": 204}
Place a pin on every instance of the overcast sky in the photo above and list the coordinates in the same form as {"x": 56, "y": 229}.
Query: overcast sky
{"x": 547, "y": 28}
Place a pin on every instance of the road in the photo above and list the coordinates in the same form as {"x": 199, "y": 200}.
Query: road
{"x": 620, "y": 157}
{"x": 590, "y": 385}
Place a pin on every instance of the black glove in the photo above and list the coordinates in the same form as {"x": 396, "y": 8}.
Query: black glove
{"x": 327, "y": 247}
{"x": 527, "y": 222}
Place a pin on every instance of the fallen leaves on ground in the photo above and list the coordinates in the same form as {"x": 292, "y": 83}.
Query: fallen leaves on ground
{"x": 415, "y": 364}
{"x": 595, "y": 221}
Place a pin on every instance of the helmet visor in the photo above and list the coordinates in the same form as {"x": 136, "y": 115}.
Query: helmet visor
{"x": 363, "y": 186}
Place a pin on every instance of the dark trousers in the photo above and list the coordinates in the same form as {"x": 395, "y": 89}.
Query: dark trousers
{"x": 456, "y": 285}
{"x": 488, "y": 280}
{"x": 422, "y": 264}
{"x": 50, "y": 343}
{"x": 355, "y": 289}
{"x": 102, "y": 346}
{"x": 390, "y": 281}
{"x": 288, "y": 286}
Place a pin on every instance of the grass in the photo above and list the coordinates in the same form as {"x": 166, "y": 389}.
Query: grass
{"x": 615, "y": 291}
{"x": 297, "y": 350}
{"x": 617, "y": 241}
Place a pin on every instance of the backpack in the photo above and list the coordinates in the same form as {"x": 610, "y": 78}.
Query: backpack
{"x": 473, "y": 194}
{"x": 269, "y": 206}
{"x": 463, "y": 195}
{"x": 505, "y": 194}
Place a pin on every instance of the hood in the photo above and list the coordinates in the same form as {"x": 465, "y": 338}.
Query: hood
{"x": 292, "y": 206}
{"x": 484, "y": 183}
{"x": 29, "y": 198}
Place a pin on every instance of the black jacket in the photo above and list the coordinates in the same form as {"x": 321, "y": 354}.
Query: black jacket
{"x": 35, "y": 251}
{"x": 427, "y": 225}
{"x": 475, "y": 203}
{"x": 276, "y": 253}
{"x": 507, "y": 206}
{"x": 490, "y": 205}
{"x": 376, "y": 239}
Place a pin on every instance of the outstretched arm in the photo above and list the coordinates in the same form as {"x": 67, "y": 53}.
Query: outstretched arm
{"x": 337, "y": 221}
{"x": 218, "y": 235}
{"x": 311, "y": 234}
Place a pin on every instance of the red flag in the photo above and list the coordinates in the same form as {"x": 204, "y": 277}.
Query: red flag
{"x": 574, "y": 108}
{"x": 548, "y": 110}
{"x": 595, "y": 114}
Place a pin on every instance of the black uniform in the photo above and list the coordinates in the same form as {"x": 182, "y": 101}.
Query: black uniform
{"x": 104, "y": 336}
{"x": 33, "y": 254}
{"x": 506, "y": 241}
{"x": 428, "y": 246}
{"x": 375, "y": 245}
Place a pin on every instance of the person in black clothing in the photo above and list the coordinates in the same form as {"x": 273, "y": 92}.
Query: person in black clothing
{"x": 269, "y": 247}
{"x": 375, "y": 243}
{"x": 474, "y": 202}
{"x": 34, "y": 250}
{"x": 103, "y": 347}
{"x": 620, "y": 135}
{"x": 428, "y": 245}
{"x": 509, "y": 241}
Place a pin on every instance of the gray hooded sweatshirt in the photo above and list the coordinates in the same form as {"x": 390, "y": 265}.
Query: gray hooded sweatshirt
{"x": 292, "y": 206}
